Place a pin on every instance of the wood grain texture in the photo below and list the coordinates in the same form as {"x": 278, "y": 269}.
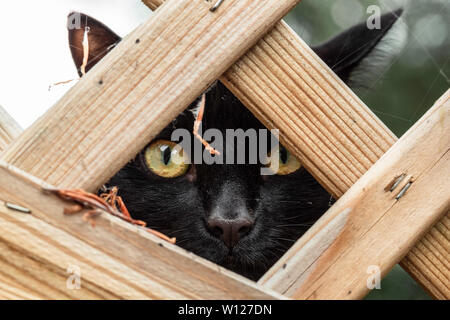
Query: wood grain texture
{"x": 137, "y": 89}
{"x": 116, "y": 259}
{"x": 429, "y": 261}
{"x": 368, "y": 226}
{"x": 9, "y": 129}
{"x": 337, "y": 138}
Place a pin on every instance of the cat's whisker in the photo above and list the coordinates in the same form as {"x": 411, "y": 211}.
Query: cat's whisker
{"x": 180, "y": 242}
{"x": 300, "y": 216}
{"x": 292, "y": 218}
{"x": 180, "y": 230}
{"x": 284, "y": 239}
{"x": 281, "y": 250}
{"x": 296, "y": 225}
{"x": 300, "y": 201}
{"x": 276, "y": 256}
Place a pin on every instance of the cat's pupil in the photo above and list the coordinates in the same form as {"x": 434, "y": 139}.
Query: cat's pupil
{"x": 283, "y": 155}
{"x": 166, "y": 154}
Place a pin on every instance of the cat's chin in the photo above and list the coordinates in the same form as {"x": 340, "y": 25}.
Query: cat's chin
{"x": 243, "y": 266}
{"x": 244, "y": 269}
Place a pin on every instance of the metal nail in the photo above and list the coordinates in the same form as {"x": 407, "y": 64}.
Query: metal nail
{"x": 397, "y": 182}
{"x": 402, "y": 193}
{"x": 16, "y": 207}
{"x": 216, "y": 6}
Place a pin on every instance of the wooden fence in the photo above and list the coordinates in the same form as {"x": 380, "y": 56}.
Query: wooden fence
{"x": 137, "y": 89}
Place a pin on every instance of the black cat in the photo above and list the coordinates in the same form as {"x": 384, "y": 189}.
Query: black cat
{"x": 230, "y": 213}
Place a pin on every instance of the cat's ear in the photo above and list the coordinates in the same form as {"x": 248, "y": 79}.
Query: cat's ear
{"x": 101, "y": 39}
{"x": 360, "y": 55}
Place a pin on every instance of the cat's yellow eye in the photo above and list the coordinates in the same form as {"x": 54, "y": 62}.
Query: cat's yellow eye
{"x": 287, "y": 163}
{"x": 166, "y": 159}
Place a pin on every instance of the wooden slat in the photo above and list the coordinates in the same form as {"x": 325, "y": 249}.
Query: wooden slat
{"x": 9, "y": 129}
{"x": 37, "y": 265}
{"x": 9, "y": 286}
{"x": 368, "y": 226}
{"x": 337, "y": 137}
{"x": 117, "y": 260}
{"x": 135, "y": 91}
{"x": 429, "y": 261}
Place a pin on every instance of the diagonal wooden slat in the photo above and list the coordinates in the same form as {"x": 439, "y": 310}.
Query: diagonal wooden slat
{"x": 429, "y": 261}
{"x": 9, "y": 129}
{"x": 377, "y": 221}
{"x": 116, "y": 259}
{"x": 337, "y": 137}
{"x": 134, "y": 92}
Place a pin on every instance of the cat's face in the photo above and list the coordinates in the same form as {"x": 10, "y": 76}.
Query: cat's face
{"x": 230, "y": 213}
{"x": 227, "y": 213}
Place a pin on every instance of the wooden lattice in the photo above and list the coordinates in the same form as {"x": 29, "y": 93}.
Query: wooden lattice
{"x": 137, "y": 89}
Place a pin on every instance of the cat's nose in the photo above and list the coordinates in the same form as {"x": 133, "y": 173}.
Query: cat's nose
{"x": 230, "y": 231}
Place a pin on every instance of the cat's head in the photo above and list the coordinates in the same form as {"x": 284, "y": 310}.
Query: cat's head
{"x": 228, "y": 213}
